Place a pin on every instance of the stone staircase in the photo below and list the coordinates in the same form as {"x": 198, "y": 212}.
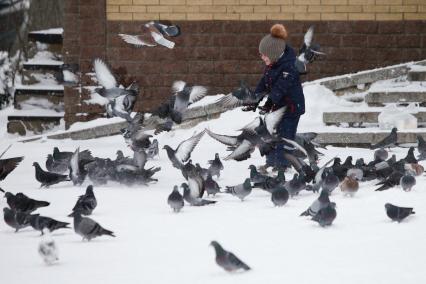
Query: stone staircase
{"x": 360, "y": 128}
{"x": 39, "y": 98}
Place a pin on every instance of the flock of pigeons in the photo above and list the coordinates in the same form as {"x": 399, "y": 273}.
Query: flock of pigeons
{"x": 260, "y": 134}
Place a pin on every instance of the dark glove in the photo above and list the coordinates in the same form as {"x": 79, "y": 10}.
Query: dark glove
{"x": 250, "y": 107}
{"x": 266, "y": 107}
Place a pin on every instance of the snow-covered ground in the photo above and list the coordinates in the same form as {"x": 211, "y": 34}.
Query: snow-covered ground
{"x": 154, "y": 245}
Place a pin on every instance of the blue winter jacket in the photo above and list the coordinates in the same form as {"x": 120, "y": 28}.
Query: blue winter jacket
{"x": 282, "y": 84}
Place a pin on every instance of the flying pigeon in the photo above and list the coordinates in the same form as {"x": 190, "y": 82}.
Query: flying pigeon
{"x": 47, "y": 248}
{"x": 242, "y": 96}
{"x": 227, "y": 260}
{"x": 22, "y": 203}
{"x": 326, "y": 215}
{"x": 389, "y": 141}
{"x": 183, "y": 152}
{"x": 88, "y": 228}
{"x": 8, "y": 165}
{"x": 152, "y": 150}
{"x": 398, "y": 213}
{"x": 86, "y": 203}
{"x": 194, "y": 201}
{"x": 175, "y": 200}
{"x": 47, "y": 178}
{"x": 241, "y": 190}
{"x": 279, "y": 196}
{"x": 308, "y": 52}
{"x": 166, "y": 29}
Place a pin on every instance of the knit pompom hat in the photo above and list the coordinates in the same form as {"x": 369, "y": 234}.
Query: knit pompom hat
{"x": 273, "y": 44}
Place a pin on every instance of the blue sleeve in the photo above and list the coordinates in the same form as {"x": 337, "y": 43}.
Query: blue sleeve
{"x": 260, "y": 86}
{"x": 282, "y": 86}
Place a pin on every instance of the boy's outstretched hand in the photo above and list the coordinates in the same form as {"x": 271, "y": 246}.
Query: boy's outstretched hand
{"x": 250, "y": 107}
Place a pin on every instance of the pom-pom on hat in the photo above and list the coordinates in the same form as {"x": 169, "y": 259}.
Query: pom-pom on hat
{"x": 273, "y": 44}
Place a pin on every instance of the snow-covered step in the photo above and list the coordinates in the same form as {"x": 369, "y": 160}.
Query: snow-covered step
{"x": 43, "y": 65}
{"x": 39, "y": 96}
{"x": 380, "y": 98}
{"x": 364, "y": 139}
{"x": 358, "y": 118}
{"x": 50, "y": 36}
{"x": 36, "y": 122}
{"x": 417, "y": 73}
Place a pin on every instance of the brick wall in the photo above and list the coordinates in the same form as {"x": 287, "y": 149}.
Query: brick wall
{"x": 218, "y": 53}
{"x": 255, "y": 10}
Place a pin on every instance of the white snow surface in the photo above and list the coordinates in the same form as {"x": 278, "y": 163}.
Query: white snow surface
{"x": 154, "y": 245}
{"x": 49, "y": 31}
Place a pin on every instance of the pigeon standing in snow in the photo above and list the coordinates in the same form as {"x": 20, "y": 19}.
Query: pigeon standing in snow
{"x": 389, "y": 141}
{"x": 279, "y": 196}
{"x": 421, "y": 147}
{"x": 407, "y": 182}
{"x": 16, "y": 220}
{"x": 46, "y": 178}
{"x": 295, "y": 185}
{"x": 241, "y": 190}
{"x": 175, "y": 200}
{"x": 194, "y": 201}
{"x": 86, "y": 203}
{"x": 227, "y": 260}
{"x": 215, "y": 166}
{"x": 211, "y": 186}
{"x": 183, "y": 152}
{"x": 22, "y": 203}
{"x": 380, "y": 154}
{"x": 321, "y": 202}
{"x": 88, "y": 228}
{"x": 40, "y": 222}
{"x": 8, "y": 165}
{"x": 330, "y": 182}
{"x": 410, "y": 158}
{"x": 398, "y": 213}
{"x": 349, "y": 185}
{"x": 56, "y": 166}
{"x": 326, "y": 215}
{"x": 392, "y": 180}
{"x": 47, "y": 248}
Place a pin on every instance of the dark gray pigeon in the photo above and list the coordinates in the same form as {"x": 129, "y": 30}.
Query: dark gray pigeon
{"x": 175, "y": 200}
{"x": 227, "y": 260}
{"x": 183, "y": 152}
{"x": 398, "y": 213}
{"x": 407, "y": 182}
{"x": 194, "y": 201}
{"x": 8, "y": 165}
{"x": 88, "y": 228}
{"x": 255, "y": 176}
{"x": 40, "y": 222}
{"x": 241, "y": 190}
{"x": 309, "y": 51}
{"x": 215, "y": 166}
{"x": 410, "y": 158}
{"x": 241, "y": 96}
{"x": 321, "y": 202}
{"x": 22, "y": 203}
{"x": 16, "y": 220}
{"x": 380, "y": 154}
{"x": 66, "y": 156}
{"x": 211, "y": 186}
{"x": 330, "y": 182}
{"x": 295, "y": 185}
{"x": 279, "y": 196}
{"x": 326, "y": 215}
{"x": 389, "y": 141}
{"x": 56, "y": 166}
{"x": 421, "y": 147}
{"x": 392, "y": 180}
{"x": 152, "y": 150}
{"x": 47, "y": 178}
{"x": 86, "y": 203}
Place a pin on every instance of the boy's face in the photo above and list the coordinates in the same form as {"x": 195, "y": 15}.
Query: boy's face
{"x": 265, "y": 59}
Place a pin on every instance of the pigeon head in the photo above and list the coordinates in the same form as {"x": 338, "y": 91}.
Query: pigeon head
{"x": 50, "y": 157}
{"x": 175, "y": 188}
{"x": 394, "y": 130}
{"x": 337, "y": 161}
{"x": 120, "y": 154}
{"x": 35, "y": 164}
{"x": 216, "y": 246}
{"x": 388, "y": 206}
{"x": 6, "y": 210}
{"x": 184, "y": 186}
{"x": 89, "y": 189}
{"x": 8, "y": 195}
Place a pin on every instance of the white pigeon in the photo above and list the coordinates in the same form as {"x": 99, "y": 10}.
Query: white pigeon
{"x": 47, "y": 248}
{"x": 154, "y": 37}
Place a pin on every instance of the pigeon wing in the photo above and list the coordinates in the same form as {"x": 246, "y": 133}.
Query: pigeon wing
{"x": 236, "y": 262}
{"x": 104, "y": 75}
{"x": 296, "y": 145}
{"x": 241, "y": 151}
{"x": 136, "y": 40}
{"x": 178, "y": 86}
{"x": 8, "y": 165}
{"x": 252, "y": 125}
{"x": 224, "y": 139}
{"x": 159, "y": 38}
{"x": 183, "y": 151}
{"x": 307, "y": 39}
{"x": 273, "y": 118}
{"x": 197, "y": 93}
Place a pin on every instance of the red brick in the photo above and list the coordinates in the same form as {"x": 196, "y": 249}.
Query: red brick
{"x": 408, "y": 41}
{"x": 364, "y": 27}
{"x": 381, "y": 41}
{"x": 391, "y": 27}
{"x": 354, "y": 40}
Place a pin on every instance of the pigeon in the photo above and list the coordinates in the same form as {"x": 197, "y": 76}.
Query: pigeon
{"x": 349, "y": 185}
{"x": 410, "y": 158}
{"x": 321, "y": 202}
{"x": 8, "y": 165}
{"x": 398, "y": 213}
{"x": 241, "y": 96}
{"x": 356, "y": 173}
{"x": 122, "y": 106}
{"x": 392, "y": 180}
{"x": 194, "y": 201}
{"x": 16, "y": 220}
{"x": 183, "y": 152}
{"x": 211, "y": 186}
{"x": 266, "y": 127}
{"x": 152, "y": 150}
{"x": 389, "y": 141}
{"x": 56, "y": 166}
{"x": 295, "y": 185}
{"x": 414, "y": 169}
{"x": 269, "y": 184}
{"x": 47, "y": 178}
{"x": 279, "y": 196}
{"x": 88, "y": 228}
{"x": 241, "y": 190}
{"x": 421, "y": 147}
{"x": 380, "y": 154}
{"x": 22, "y": 203}
{"x": 40, "y": 222}
{"x": 86, "y": 203}
{"x": 407, "y": 182}
{"x": 255, "y": 176}
{"x": 330, "y": 182}
{"x": 153, "y": 36}
{"x": 215, "y": 166}
{"x": 66, "y": 156}
{"x": 77, "y": 171}
{"x": 308, "y": 52}
{"x": 326, "y": 215}
{"x": 175, "y": 200}
{"x": 167, "y": 30}
{"x": 47, "y": 248}
{"x": 203, "y": 172}
{"x": 227, "y": 260}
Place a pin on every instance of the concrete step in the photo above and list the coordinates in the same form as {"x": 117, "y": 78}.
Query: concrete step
{"x": 43, "y": 65}
{"x": 365, "y": 139}
{"x": 417, "y": 75}
{"x": 359, "y": 118}
{"x": 382, "y": 98}
{"x": 39, "y": 96}
{"x": 50, "y": 36}
{"x": 23, "y": 124}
